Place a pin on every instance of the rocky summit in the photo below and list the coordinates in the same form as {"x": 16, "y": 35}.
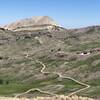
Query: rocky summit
{"x": 34, "y": 22}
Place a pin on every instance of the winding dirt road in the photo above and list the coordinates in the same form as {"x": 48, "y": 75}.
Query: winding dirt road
{"x": 61, "y": 76}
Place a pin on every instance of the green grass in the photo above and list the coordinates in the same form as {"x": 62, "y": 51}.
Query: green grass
{"x": 69, "y": 86}
{"x": 12, "y": 88}
{"x": 18, "y": 87}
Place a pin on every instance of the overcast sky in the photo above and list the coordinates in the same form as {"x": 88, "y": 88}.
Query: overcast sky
{"x": 68, "y": 13}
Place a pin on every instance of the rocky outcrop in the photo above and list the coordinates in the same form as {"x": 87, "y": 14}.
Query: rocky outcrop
{"x": 60, "y": 97}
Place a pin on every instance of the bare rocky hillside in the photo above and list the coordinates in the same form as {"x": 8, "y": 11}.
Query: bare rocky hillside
{"x": 33, "y": 22}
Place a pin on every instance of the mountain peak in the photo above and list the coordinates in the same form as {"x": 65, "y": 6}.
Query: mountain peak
{"x": 33, "y": 21}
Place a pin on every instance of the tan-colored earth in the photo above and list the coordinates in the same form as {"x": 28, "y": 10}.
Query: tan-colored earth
{"x": 34, "y": 21}
{"x": 60, "y": 97}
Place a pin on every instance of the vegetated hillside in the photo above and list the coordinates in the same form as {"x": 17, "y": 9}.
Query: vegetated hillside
{"x": 73, "y": 53}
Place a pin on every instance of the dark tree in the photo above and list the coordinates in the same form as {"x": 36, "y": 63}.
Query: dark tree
{"x": 1, "y": 81}
{"x": 7, "y": 82}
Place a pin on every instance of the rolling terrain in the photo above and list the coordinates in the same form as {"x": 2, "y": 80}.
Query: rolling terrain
{"x": 72, "y": 53}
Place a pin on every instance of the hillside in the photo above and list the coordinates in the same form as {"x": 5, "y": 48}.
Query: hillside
{"x": 36, "y": 21}
{"x": 71, "y": 53}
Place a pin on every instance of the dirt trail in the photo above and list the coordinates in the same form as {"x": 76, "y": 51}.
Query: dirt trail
{"x": 61, "y": 76}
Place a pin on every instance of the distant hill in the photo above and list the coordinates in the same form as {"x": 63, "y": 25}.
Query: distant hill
{"x": 34, "y": 21}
